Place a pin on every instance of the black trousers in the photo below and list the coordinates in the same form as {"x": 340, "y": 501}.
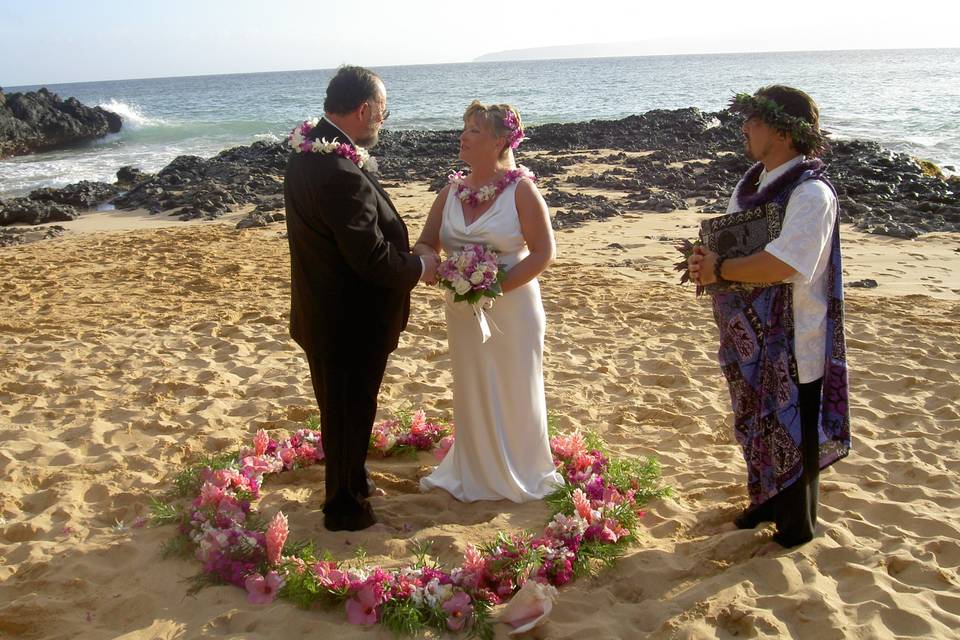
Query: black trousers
{"x": 346, "y": 391}
{"x": 794, "y": 510}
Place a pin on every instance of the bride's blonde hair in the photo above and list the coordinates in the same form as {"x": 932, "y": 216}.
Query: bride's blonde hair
{"x": 493, "y": 116}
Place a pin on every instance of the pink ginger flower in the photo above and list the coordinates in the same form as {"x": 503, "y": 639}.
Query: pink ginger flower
{"x": 263, "y": 590}
{"x": 443, "y": 447}
{"x": 458, "y": 609}
{"x": 276, "y": 535}
{"x": 260, "y": 442}
{"x": 568, "y": 446}
{"x": 582, "y": 504}
{"x": 418, "y": 423}
{"x": 362, "y": 607}
{"x": 473, "y": 560}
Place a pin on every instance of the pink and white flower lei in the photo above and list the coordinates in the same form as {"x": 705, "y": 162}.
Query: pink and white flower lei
{"x": 458, "y": 181}
{"x": 299, "y": 141}
{"x": 511, "y": 122}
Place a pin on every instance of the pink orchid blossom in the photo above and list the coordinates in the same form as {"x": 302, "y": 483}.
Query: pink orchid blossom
{"x": 458, "y": 609}
{"x": 443, "y": 447}
{"x": 257, "y": 465}
{"x": 210, "y": 494}
{"x": 330, "y": 576}
{"x": 307, "y": 453}
{"x": 287, "y": 455}
{"x": 362, "y": 608}
{"x": 263, "y": 590}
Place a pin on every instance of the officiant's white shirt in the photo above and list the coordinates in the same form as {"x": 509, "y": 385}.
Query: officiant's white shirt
{"x": 804, "y": 244}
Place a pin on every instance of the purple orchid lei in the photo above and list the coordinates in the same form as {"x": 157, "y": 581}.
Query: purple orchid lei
{"x": 299, "y": 141}
{"x": 489, "y": 191}
{"x": 596, "y": 514}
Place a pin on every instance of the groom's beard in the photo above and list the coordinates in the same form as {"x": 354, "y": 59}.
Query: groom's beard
{"x": 370, "y": 138}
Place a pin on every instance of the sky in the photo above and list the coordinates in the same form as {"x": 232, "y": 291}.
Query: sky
{"x": 60, "y": 41}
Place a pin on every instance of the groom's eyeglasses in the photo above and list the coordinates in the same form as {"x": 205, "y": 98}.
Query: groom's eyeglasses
{"x": 384, "y": 115}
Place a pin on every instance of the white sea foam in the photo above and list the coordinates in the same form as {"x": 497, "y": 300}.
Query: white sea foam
{"x": 132, "y": 114}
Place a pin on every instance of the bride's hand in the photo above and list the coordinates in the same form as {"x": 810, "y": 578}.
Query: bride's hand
{"x": 423, "y": 249}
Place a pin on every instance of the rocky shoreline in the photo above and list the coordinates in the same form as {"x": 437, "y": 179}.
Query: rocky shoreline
{"x": 42, "y": 121}
{"x": 689, "y": 159}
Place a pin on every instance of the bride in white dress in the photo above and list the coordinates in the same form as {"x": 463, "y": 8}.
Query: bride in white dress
{"x": 501, "y": 449}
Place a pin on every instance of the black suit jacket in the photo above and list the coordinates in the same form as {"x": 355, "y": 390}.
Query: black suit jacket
{"x": 350, "y": 261}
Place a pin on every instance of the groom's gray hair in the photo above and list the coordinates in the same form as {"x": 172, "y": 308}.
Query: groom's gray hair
{"x": 349, "y": 88}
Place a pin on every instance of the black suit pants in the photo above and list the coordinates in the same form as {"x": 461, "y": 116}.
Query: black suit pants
{"x": 346, "y": 390}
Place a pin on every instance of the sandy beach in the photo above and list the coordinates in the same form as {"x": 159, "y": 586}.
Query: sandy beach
{"x": 134, "y": 345}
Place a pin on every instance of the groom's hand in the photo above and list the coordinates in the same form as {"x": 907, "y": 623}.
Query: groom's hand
{"x": 430, "y": 263}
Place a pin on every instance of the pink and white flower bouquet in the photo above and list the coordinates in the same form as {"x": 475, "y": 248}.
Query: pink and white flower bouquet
{"x": 473, "y": 273}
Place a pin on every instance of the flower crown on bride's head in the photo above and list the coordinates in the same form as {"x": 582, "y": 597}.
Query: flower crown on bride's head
{"x": 510, "y": 121}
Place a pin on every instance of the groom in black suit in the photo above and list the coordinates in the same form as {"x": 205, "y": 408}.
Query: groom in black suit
{"x": 351, "y": 276}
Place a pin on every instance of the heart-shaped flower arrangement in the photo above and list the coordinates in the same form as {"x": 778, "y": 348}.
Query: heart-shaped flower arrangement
{"x": 594, "y": 516}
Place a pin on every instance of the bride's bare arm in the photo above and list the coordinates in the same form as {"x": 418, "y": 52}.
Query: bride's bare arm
{"x": 538, "y": 234}
{"x": 429, "y": 241}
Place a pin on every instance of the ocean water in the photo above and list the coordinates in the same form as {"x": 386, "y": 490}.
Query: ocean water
{"x": 908, "y": 100}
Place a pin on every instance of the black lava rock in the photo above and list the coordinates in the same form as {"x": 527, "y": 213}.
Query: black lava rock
{"x": 40, "y": 121}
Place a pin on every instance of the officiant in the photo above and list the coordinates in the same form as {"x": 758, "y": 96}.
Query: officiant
{"x": 779, "y": 310}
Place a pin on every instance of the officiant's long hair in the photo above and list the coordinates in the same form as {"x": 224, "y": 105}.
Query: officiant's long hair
{"x": 493, "y": 116}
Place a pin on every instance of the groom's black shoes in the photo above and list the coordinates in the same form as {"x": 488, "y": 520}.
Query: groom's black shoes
{"x": 354, "y": 520}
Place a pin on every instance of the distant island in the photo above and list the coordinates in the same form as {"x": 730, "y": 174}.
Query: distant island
{"x": 701, "y": 44}
{"x": 595, "y": 50}
{"x": 671, "y": 45}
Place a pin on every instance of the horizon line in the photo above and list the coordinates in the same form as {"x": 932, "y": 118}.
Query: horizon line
{"x": 478, "y": 61}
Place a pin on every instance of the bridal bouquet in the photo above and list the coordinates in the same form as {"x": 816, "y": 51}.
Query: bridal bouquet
{"x": 472, "y": 273}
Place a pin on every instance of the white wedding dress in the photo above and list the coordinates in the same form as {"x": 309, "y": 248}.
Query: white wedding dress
{"x": 501, "y": 449}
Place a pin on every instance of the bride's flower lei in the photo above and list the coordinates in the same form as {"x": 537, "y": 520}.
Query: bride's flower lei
{"x": 299, "y": 142}
{"x": 488, "y": 191}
